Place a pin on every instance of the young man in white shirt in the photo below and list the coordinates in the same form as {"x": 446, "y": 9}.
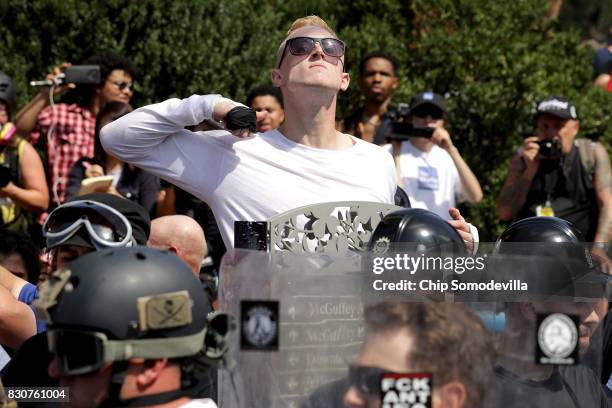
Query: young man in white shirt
{"x": 431, "y": 170}
{"x": 255, "y": 177}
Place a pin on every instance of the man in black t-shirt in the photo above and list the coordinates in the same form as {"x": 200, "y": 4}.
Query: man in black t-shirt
{"x": 555, "y": 174}
{"x": 521, "y": 382}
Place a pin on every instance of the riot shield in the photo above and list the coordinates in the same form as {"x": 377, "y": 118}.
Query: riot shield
{"x": 551, "y": 347}
{"x": 301, "y": 324}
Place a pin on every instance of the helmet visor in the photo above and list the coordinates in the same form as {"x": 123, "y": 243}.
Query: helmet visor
{"x": 78, "y": 352}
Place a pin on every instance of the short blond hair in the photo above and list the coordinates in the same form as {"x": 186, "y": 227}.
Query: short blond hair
{"x": 307, "y": 21}
{"x": 310, "y": 21}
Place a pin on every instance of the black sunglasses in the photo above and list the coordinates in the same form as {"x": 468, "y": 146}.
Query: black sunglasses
{"x": 122, "y": 85}
{"x": 304, "y": 45}
{"x": 425, "y": 110}
{"x": 366, "y": 379}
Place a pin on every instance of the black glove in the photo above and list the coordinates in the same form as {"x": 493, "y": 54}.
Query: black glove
{"x": 5, "y": 176}
{"x": 241, "y": 117}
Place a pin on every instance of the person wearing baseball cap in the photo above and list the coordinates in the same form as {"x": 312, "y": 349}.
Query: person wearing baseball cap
{"x": 430, "y": 99}
{"x": 556, "y": 174}
{"x": 429, "y": 166}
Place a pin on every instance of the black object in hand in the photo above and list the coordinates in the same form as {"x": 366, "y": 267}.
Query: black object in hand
{"x": 550, "y": 148}
{"x": 405, "y": 130}
{"x": 241, "y": 117}
{"x": 401, "y": 124}
{"x": 83, "y": 74}
{"x": 5, "y": 175}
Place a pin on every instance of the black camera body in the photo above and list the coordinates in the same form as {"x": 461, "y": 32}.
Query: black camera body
{"x": 82, "y": 75}
{"x": 550, "y": 148}
{"x": 401, "y": 127}
{"x": 75, "y": 74}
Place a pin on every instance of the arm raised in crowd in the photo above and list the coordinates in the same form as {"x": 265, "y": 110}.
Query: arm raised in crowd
{"x": 521, "y": 171}
{"x": 17, "y": 320}
{"x": 469, "y": 183}
{"x": 154, "y": 138}
{"x": 603, "y": 189}
{"x": 34, "y": 195}
{"x": 11, "y": 282}
{"x": 470, "y": 187}
{"x": 26, "y": 118}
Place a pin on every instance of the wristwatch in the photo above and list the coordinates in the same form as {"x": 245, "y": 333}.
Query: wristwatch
{"x": 602, "y": 245}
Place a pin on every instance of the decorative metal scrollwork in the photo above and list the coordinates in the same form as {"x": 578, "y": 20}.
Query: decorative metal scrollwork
{"x": 330, "y": 228}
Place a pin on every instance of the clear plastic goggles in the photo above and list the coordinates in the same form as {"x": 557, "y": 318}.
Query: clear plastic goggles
{"x": 106, "y": 227}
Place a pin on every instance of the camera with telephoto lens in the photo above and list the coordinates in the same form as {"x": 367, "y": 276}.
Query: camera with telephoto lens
{"x": 549, "y": 148}
{"x": 401, "y": 126}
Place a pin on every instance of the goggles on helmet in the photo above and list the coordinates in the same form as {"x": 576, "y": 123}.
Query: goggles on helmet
{"x": 106, "y": 227}
{"x": 81, "y": 352}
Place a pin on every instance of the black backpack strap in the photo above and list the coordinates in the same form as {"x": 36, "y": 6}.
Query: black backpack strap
{"x": 384, "y": 130}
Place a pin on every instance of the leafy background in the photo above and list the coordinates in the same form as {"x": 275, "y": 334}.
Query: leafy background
{"x": 494, "y": 59}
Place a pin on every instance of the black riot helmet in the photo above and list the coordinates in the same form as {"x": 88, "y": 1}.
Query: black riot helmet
{"x": 544, "y": 236}
{"x": 7, "y": 91}
{"x": 551, "y": 253}
{"x": 114, "y": 305}
{"x": 416, "y": 229}
{"x": 541, "y": 229}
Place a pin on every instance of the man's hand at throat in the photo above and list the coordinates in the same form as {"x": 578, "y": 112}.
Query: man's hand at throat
{"x": 238, "y": 119}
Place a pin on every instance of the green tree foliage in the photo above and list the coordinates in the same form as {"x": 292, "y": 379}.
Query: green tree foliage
{"x": 493, "y": 59}
{"x": 593, "y": 18}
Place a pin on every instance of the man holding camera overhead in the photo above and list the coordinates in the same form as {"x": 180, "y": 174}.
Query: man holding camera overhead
{"x": 65, "y": 131}
{"x": 555, "y": 174}
{"x": 428, "y": 165}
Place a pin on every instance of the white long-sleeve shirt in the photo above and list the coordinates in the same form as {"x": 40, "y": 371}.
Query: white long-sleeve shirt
{"x": 252, "y": 179}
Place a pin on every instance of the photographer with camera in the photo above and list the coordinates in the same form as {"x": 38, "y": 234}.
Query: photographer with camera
{"x": 555, "y": 174}
{"x": 23, "y": 187}
{"x": 65, "y": 131}
{"x": 428, "y": 165}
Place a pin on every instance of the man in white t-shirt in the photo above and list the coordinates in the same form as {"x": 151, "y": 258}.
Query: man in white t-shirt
{"x": 249, "y": 177}
{"x": 431, "y": 170}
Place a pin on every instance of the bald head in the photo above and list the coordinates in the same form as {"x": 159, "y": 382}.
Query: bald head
{"x": 181, "y": 235}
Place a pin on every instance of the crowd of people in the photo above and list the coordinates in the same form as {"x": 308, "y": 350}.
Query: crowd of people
{"x": 86, "y": 184}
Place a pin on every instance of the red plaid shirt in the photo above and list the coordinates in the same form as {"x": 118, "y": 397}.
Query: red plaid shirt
{"x": 72, "y": 138}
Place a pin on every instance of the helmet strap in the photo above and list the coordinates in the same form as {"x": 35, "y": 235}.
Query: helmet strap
{"x": 149, "y": 400}
{"x": 119, "y": 372}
